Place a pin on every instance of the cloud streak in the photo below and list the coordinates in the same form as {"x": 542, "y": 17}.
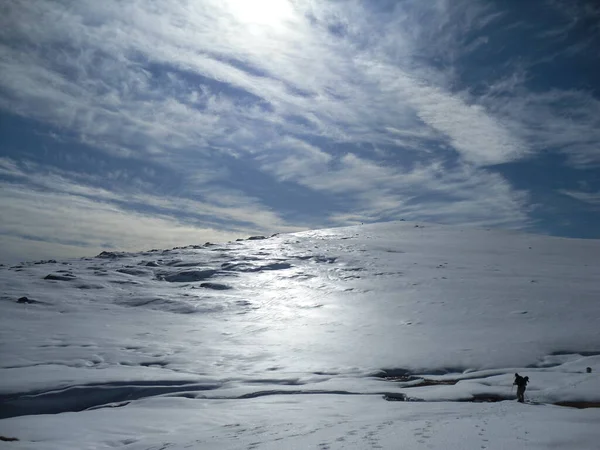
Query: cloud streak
{"x": 242, "y": 118}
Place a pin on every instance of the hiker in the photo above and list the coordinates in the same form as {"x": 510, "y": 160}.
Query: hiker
{"x": 521, "y": 383}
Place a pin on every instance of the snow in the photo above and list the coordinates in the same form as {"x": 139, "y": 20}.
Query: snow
{"x": 298, "y": 340}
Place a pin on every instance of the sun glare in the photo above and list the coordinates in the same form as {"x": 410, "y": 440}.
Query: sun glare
{"x": 261, "y": 12}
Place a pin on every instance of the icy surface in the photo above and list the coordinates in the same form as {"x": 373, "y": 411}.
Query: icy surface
{"x": 297, "y": 341}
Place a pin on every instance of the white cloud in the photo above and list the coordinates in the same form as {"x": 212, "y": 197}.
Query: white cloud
{"x": 296, "y": 159}
{"x": 42, "y": 208}
{"x": 81, "y": 226}
{"x": 591, "y": 198}
{"x": 186, "y": 85}
{"x": 73, "y": 220}
{"x": 352, "y": 95}
{"x": 462, "y": 194}
{"x": 566, "y": 122}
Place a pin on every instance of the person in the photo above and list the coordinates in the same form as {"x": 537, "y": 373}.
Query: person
{"x": 521, "y": 383}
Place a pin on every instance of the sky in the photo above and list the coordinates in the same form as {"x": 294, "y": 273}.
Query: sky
{"x": 131, "y": 125}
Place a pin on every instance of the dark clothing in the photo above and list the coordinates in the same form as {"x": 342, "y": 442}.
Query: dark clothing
{"x": 521, "y": 383}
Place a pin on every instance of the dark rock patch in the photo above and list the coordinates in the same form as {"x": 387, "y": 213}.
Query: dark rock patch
{"x": 187, "y": 276}
{"x": 160, "y": 304}
{"x": 229, "y": 265}
{"x": 588, "y": 353}
{"x": 185, "y": 264}
{"x": 395, "y": 397}
{"x": 89, "y": 286}
{"x": 154, "y": 363}
{"x": 111, "y": 255}
{"x": 325, "y": 259}
{"x": 487, "y": 398}
{"x": 55, "y": 277}
{"x": 275, "y": 266}
{"x": 25, "y": 300}
{"x": 45, "y": 261}
{"x": 579, "y": 405}
{"x": 392, "y": 373}
{"x": 256, "y": 238}
{"x": 215, "y": 286}
{"x": 8, "y": 439}
{"x": 132, "y": 271}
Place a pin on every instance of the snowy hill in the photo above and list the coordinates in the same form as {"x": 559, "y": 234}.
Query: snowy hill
{"x": 297, "y": 341}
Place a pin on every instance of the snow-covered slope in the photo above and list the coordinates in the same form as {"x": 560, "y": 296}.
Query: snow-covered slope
{"x": 297, "y": 341}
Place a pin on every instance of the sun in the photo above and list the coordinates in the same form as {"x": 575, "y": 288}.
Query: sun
{"x": 261, "y": 12}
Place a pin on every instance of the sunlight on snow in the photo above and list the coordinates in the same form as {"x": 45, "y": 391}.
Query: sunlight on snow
{"x": 348, "y": 338}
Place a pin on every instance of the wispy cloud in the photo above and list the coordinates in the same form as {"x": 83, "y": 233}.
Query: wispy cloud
{"x": 62, "y": 205}
{"x": 239, "y": 118}
{"x": 591, "y": 198}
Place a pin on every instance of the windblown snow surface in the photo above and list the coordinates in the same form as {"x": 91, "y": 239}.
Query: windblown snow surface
{"x": 394, "y": 336}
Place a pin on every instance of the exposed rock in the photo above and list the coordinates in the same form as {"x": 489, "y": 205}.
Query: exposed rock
{"x": 187, "y": 276}
{"x": 132, "y": 271}
{"x": 89, "y": 286}
{"x": 55, "y": 277}
{"x": 256, "y": 238}
{"x": 215, "y": 286}
{"x": 24, "y": 300}
{"x": 111, "y": 255}
{"x": 275, "y": 266}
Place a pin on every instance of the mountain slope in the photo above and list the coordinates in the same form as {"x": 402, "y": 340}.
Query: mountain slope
{"x": 394, "y": 311}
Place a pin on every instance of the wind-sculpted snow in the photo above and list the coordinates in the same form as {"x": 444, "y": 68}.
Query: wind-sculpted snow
{"x": 313, "y": 332}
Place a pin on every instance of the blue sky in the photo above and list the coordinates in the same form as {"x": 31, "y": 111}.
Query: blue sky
{"x": 137, "y": 124}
